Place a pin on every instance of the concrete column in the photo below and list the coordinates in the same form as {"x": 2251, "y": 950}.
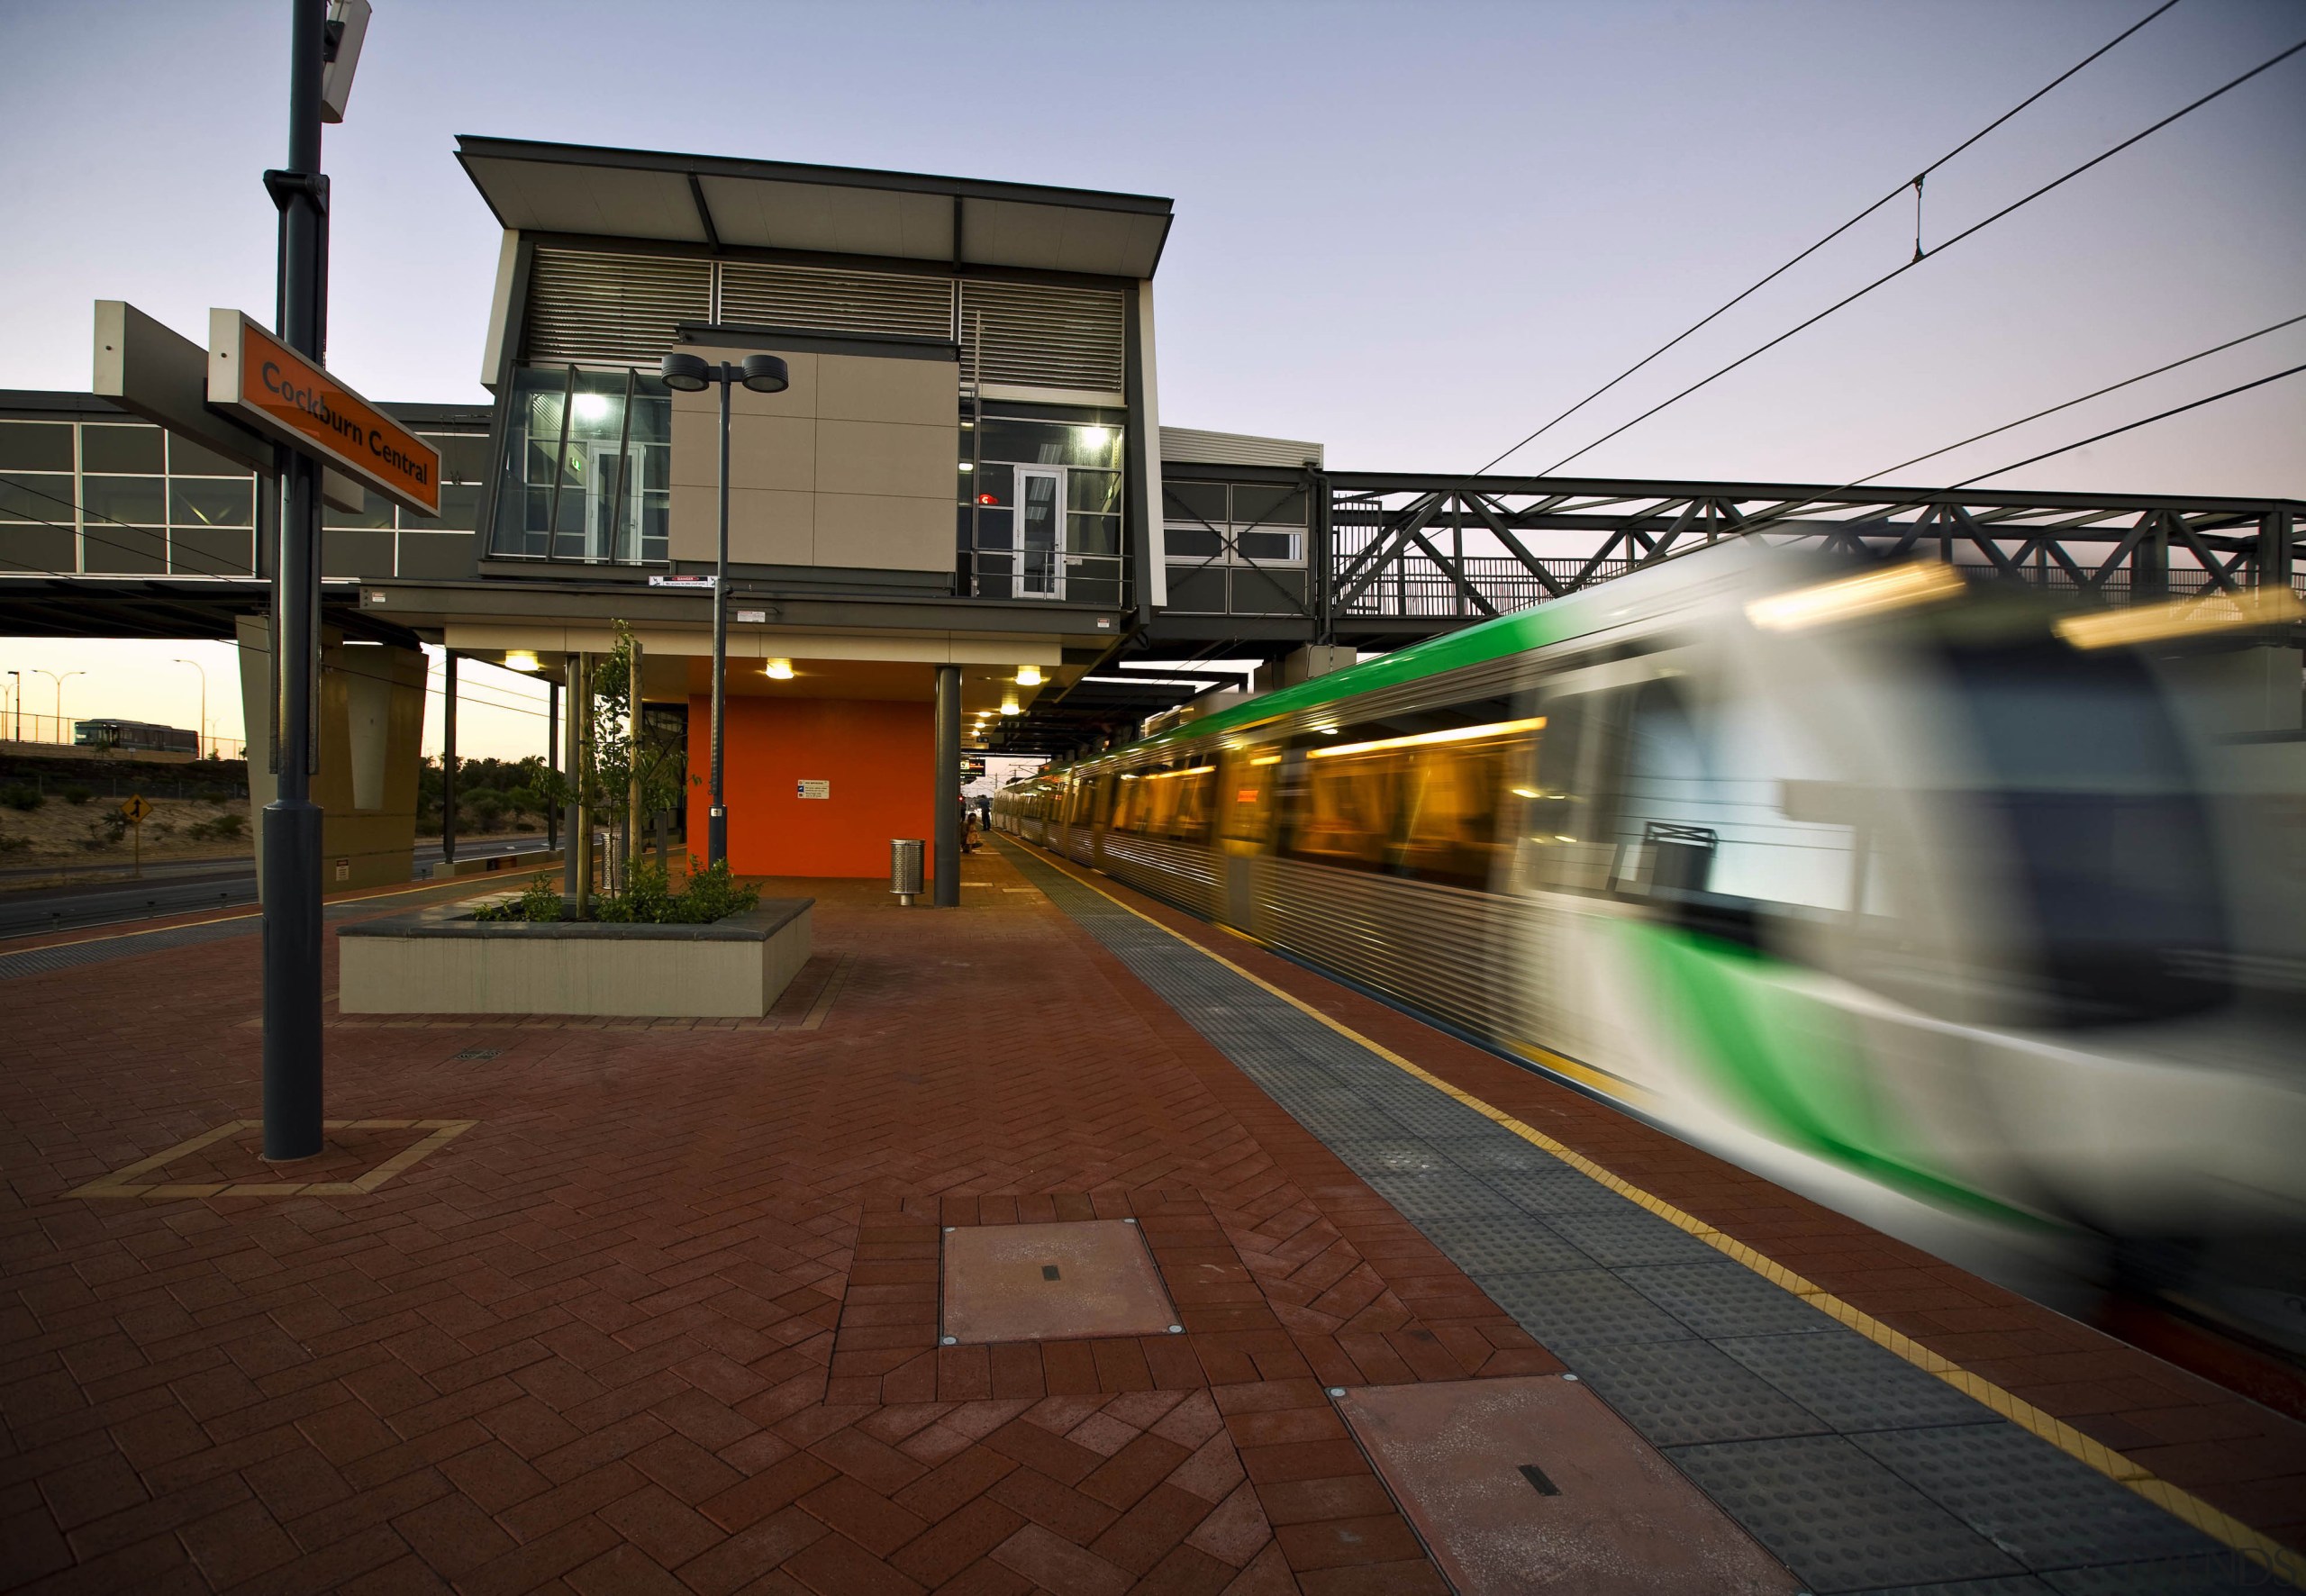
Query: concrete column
{"x": 947, "y": 849}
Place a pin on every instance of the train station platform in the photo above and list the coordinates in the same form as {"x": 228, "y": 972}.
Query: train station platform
{"x": 1059, "y": 1242}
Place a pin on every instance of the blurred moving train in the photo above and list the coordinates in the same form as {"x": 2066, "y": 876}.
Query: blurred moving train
{"x": 1910, "y": 894}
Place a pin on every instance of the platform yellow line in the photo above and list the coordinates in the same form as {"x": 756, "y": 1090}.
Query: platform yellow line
{"x": 2264, "y": 1552}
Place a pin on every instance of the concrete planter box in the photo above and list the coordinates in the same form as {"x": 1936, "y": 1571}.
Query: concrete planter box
{"x": 441, "y": 961}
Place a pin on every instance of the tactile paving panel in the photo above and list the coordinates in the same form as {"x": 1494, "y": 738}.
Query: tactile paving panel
{"x": 1573, "y": 1309}
{"x": 1723, "y": 1298}
{"x": 1627, "y": 1236}
{"x": 2045, "y": 1508}
{"x": 1853, "y": 1385}
{"x": 1511, "y": 1243}
{"x": 1840, "y": 1520}
{"x": 1676, "y": 1392}
{"x": 1442, "y": 1195}
{"x": 1394, "y": 1156}
{"x": 1497, "y": 1149}
{"x": 1558, "y": 1190}
{"x": 2210, "y": 1574}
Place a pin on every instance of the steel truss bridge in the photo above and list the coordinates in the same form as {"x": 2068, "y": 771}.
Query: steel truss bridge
{"x": 1396, "y": 557}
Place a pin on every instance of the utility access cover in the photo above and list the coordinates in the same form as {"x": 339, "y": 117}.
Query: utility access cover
{"x": 1533, "y": 1484}
{"x": 1050, "y": 1283}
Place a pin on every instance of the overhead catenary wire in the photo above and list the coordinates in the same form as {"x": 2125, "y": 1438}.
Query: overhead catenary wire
{"x": 1900, "y": 271}
{"x": 1914, "y": 184}
{"x": 2129, "y": 426}
{"x": 2082, "y": 399}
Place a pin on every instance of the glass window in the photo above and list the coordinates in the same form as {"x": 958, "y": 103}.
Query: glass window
{"x": 1094, "y": 492}
{"x": 1246, "y": 800}
{"x": 27, "y": 497}
{"x": 213, "y": 502}
{"x": 133, "y": 499}
{"x": 1278, "y": 547}
{"x": 1262, "y": 504}
{"x": 211, "y": 551}
{"x": 24, "y": 548}
{"x": 376, "y": 512}
{"x": 568, "y": 493}
{"x": 459, "y": 509}
{"x": 996, "y": 484}
{"x": 141, "y": 551}
{"x": 1193, "y": 543}
{"x": 35, "y": 445}
{"x": 1195, "y": 501}
{"x": 189, "y": 460}
{"x": 104, "y": 447}
{"x": 1049, "y": 443}
{"x": 1093, "y": 535}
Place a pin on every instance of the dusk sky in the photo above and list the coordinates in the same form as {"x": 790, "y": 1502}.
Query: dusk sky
{"x": 1410, "y": 231}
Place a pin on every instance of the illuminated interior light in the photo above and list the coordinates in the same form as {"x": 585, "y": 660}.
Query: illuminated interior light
{"x": 1029, "y": 676}
{"x": 1425, "y": 739}
{"x": 1852, "y": 598}
{"x": 1096, "y": 437}
{"x": 2182, "y": 618}
{"x": 1009, "y": 707}
{"x": 988, "y": 498}
{"x": 1267, "y": 759}
{"x": 592, "y": 407}
{"x": 1162, "y": 775}
{"x": 520, "y": 659}
{"x": 968, "y": 465}
{"x": 779, "y": 670}
{"x": 1527, "y": 792}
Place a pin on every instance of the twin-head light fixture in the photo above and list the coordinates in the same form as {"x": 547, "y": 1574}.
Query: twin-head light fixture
{"x": 693, "y": 373}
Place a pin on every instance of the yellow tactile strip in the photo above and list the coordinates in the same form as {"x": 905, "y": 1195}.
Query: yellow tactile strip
{"x": 122, "y": 1182}
{"x": 2277, "y": 1559}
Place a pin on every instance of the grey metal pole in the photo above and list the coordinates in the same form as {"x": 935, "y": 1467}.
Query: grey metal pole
{"x": 552, "y": 758}
{"x": 572, "y": 829}
{"x": 293, "y": 1058}
{"x": 580, "y": 769}
{"x": 946, "y": 892}
{"x": 716, "y": 825}
{"x": 449, "y": 759}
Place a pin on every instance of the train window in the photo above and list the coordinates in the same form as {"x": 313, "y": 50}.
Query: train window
{"x": 1128, "y": 804}
{"x": 1189, "y": 821}
{"x": 1417, "y": 795}
{"x": 1245, "y": 800}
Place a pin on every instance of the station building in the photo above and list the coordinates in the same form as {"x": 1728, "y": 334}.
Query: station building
{"x": 965, "y": 475}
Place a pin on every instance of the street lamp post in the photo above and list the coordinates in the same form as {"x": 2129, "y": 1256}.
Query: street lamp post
{"x": 17, "y": 696}
{"x": 60, "y": 682}
{"x": 200, "y": 742}
{"x": 693, "y": 373}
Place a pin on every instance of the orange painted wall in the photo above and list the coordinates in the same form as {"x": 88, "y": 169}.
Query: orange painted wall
{"x": 881, "y": 758}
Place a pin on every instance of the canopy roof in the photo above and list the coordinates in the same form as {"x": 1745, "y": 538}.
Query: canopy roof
{"x": 717, "y": 201}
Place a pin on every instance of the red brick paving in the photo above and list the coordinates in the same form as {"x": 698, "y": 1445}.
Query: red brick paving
{"x": 2242, "y": 1458}
{"x": 665, "y": 1318}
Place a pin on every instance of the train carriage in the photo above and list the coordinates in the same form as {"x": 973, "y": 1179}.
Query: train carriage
{"x": 1894, "y": 890}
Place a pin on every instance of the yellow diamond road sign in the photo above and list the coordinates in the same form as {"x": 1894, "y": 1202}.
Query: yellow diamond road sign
{"x": 136, "y": 809}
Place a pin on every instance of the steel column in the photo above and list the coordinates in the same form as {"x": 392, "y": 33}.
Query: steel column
{"x": 292, "y": 1056}
{"x": 947, "y": 852}
{"x": 716, "y": 824}
{"x": 449, "y": 756}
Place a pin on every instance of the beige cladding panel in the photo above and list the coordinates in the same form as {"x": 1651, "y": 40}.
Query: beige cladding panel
{"x": 852, "y": 466}
{"x": 765, "y": 527}
{"x": 877, "y": 388}
{"x": 882, "y": 533}
{"x": 885, "y": 459}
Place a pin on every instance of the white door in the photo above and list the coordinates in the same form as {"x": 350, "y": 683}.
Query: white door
{"x": 1041, "y": 532}
{"x": 607, "y": 535}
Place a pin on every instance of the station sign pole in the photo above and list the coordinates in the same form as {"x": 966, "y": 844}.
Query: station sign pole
{"x": 291, "y": 839}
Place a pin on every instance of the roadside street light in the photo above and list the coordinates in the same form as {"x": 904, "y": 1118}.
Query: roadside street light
{"x": 60, "y": 682}
{"x": 199, "y": 743}
{"x": 693, "y": 373}
{"x": 17, "y": 697}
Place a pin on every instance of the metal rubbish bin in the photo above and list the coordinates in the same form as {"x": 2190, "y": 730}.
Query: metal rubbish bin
{"x": 906, "y": 855}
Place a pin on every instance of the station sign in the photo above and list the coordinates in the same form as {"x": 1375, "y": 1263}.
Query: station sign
{"x": 262, "y": 383}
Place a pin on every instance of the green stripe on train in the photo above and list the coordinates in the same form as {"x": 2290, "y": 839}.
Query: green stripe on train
{"x": 1790, "y": 1060}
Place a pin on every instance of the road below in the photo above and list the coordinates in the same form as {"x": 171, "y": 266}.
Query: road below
{"x": 177, "y": 887}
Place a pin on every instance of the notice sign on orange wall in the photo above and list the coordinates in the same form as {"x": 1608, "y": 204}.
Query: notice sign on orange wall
{"x": 262, "y": 382}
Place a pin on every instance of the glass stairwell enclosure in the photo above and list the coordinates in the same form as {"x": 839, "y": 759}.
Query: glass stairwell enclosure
{"x": 588, "y": 467}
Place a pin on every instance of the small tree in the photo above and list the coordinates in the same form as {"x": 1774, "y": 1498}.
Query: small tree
{"x": 612, "y": 758}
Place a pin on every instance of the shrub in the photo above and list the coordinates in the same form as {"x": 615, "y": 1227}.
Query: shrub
{"x": 75, "y": 793}
{"x": 539, "y": 901}
{"x": 9, "y": 845}
{"x": 21, "y": 798}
